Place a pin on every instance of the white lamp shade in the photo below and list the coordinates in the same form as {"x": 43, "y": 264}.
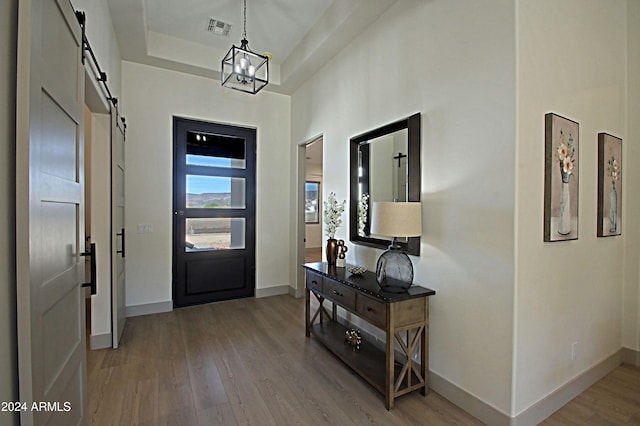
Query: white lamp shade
{"x": 396, "y": 219}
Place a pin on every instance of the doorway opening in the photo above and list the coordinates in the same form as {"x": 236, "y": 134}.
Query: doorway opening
{"x": 87, "y": 217}
{"x": 214, "y": 205}
{"x": 313, "y": 201}
{"x": 312, "y": 149}
{"x": 97, "y": 223}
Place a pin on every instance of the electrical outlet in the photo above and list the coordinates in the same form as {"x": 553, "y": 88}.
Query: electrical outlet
{"x": 574, "y": 350}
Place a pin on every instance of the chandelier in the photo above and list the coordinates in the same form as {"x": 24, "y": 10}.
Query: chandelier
{"x": 243, "y": 69}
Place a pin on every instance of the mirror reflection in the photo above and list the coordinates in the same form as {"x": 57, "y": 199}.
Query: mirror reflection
{"x": 385, "y": 159}
{"x": 385, "y": 166}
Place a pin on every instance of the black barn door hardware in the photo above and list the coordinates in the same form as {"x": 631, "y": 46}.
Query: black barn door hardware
{"x": 122, "y": 252}
{"x": 92, "y": 254}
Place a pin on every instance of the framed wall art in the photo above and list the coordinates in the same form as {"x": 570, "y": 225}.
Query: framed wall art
{"x": 609, "y": 185}
{"x": 561, "y": 178}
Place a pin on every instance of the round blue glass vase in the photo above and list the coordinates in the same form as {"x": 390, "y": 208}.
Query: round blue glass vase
{"x": 394, "y": 271}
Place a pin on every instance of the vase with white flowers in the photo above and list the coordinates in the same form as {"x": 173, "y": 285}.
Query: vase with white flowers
{"x": 613, "y": 171}
{"x": 332, "y": 219}
{"x": 363, "y": 208}
{"x": 566, "y": 152}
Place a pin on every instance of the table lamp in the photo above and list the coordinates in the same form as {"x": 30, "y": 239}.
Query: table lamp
{"x": 394, "y": 270}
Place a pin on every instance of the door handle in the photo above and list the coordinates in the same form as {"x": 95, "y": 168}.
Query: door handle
{"x": 121, "y": 251}
{"x": 92, "y": 254}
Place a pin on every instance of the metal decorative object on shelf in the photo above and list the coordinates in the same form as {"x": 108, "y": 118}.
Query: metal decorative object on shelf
{"x": 342, "y": 258}
{"x": 353, "y": 338}
{"x": 356, "y": 270}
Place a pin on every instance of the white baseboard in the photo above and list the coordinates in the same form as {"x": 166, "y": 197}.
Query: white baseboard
{"x": 100, "y": 341}
{"x": 631, "y": 356}
{"x": 468, "y": 402}
{"x": 297, "y": 293}
{"x": 272, "y": 291}
{"x": 149, "y": 308}
{"x": 557, "y": 399}
{"x": 537, "y": 412}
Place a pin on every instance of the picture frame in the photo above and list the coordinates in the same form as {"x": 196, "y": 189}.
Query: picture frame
{"x": 311, "y": 202}
{"x": 561, "y": 178}
{"x": 609, "y": 185}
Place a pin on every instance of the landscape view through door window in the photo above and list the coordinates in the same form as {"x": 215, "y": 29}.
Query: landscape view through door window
{"x": 215, "y": 192}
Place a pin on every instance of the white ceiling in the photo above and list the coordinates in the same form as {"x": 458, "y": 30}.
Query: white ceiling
{"x": 301, "y": 35}
{"x": 272, "y": 26}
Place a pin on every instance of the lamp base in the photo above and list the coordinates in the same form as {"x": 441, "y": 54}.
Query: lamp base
{"x": 394, "y": 270}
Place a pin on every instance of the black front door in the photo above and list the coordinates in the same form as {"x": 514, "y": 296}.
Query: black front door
{"x": 214, "y": 195}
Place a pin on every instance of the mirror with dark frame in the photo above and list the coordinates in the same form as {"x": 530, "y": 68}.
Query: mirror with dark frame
{"x": 384, "y": 166}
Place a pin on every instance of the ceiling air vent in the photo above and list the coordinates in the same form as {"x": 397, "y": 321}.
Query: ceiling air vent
{"x": 218, "y": 27}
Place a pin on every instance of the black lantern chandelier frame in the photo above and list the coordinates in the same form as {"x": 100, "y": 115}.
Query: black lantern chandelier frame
{"x": 242, "y": 69}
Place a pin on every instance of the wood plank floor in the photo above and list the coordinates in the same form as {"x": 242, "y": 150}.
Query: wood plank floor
{"x": 242, "y": 362}
{"x": 247, "y": 362}
{"x": 614, "y": 400}
{"x": 313, "y": 254}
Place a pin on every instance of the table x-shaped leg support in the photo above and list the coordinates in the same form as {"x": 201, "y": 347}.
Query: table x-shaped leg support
{"x": 412, "y": 369}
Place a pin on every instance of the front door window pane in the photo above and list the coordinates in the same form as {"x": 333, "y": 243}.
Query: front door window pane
{"x": 214, "y": 234}
{"x": 215, "y": 151}
{"x": 215, "y": 192}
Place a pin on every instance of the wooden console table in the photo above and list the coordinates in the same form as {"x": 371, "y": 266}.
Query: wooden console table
{"x": 403, "y": 317}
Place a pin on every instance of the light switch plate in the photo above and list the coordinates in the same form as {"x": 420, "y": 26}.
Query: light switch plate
{"x": 145, "y": 228}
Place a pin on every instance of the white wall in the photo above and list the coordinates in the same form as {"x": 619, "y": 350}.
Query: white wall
{"x": 457, "y": 67}
{"x": 631, "y": 329}
{"x": 102, "y": 38}
{"x": 571, "y": 61}
{"x": 151, "y": 97}
{"x": 8, "y": 345}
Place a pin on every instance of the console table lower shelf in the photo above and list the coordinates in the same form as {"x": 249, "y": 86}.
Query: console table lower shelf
{"x": 403, "y": 318}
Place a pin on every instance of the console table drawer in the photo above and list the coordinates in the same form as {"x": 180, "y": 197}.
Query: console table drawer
{"x": 372, "y": 310}
{"x": 342, "y": 295}
{"x": 314, "y": 282}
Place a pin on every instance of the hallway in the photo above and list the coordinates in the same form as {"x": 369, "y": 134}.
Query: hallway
{"x": 247, "y": 361}
{"x": 244, "y": 361}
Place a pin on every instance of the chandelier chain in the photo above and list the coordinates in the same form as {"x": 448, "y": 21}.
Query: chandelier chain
{"x": 244, "y": 32}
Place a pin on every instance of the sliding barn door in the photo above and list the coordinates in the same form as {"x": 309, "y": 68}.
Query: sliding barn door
{"x": 50, "y": 214}
{"x": 118, "y": 235}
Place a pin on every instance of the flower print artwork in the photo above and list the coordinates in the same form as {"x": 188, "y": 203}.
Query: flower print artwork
{"x": 561, "y": 179}
{"x": 566, "y": 152}
{"x": 609, "y": 185}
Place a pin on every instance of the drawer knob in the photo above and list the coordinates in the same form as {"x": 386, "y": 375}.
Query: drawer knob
{"x": 336, "y": 293}
{"x": 370, "y": 309}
